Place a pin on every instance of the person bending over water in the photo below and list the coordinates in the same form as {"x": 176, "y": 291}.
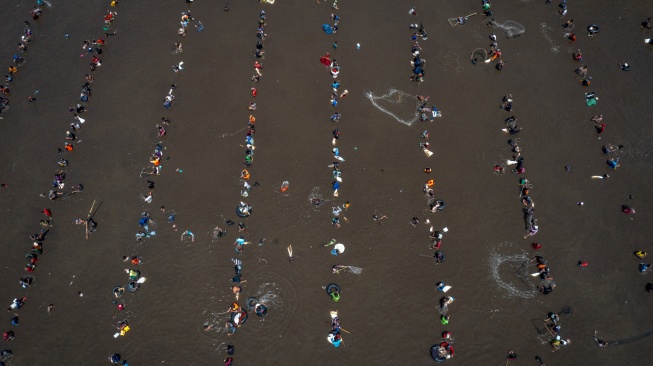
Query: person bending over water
{"x": 338, "y": 267}
{"x": 610, "y": 148}
{"x": 600, "y": 342}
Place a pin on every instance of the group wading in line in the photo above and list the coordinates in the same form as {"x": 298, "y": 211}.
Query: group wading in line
{"x": 547, "y": 284}
{"x": 331, "y": 64}
{"x": 146, "y": 223}
{"x": 93, "y": 49}
{"x": 480, "y": 54}
{"x": 417, "y": 62}
{"x": 338, "y": 212}
{"x": 518, "y": 161}
{"x": 18, "y": 61}
{"x": 58, "y": 190}
{"x": 444, "y": 350}
{"x": 238, "y": 315}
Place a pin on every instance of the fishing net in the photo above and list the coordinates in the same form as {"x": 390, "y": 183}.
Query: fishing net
{"x": 510, "y": 272}
{"x": 479, "y": 55}
{"x": 454, "y": 21}
{"x": 512, "y": 28}
{"x": 397, "y": 104}
{"x": 355, "y": 270}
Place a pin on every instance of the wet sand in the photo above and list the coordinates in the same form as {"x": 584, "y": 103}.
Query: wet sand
{"x": 391, "y": 308}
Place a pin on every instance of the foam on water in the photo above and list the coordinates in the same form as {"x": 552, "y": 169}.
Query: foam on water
{"x": 640, "y": 152}
{"x": 509, "y": 271}
{"x": 315, "y": 194}
{"x": 449, "y": 59}
{"x": 546, "y": 29}
{"x": 268, "y": 294}
{"x": 274, "y": 297}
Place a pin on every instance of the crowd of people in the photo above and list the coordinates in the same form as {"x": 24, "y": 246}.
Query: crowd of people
{"x": 17, "y": 61}
{"x": 495, "y": 51}
{"x": 418, "y": 62}
{"x": 331, "y": 64}
{"x": 57, "y": 190}
{"x": 518, "y": 160}
{"x": 37, "y": 239}
{"x": 237, "y": 314}
{"x": 553, "y": 327}
{"x": 146, "y": 223}
{"x": 444, "y": 349}
{"x": 337, "y": 212}
{"x": 93, "y": 48}
{"x": 611, "y": 150}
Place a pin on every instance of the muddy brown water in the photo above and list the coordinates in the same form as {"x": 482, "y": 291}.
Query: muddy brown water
{"x": 390, "y": 309}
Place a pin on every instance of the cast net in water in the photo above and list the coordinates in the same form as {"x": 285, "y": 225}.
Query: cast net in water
{"x": 512, "y": 28}
{"x": 479, "y": 55}
{"x": 454, "y": 21}
{"x": 397, "y": 104}
{"x": 355, "y": 270}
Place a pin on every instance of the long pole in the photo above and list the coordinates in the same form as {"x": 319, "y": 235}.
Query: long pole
{"x": 88, "y": 217}
{"x": 91, "y": 210}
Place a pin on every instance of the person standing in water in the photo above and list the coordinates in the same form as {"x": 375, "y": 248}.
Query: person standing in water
{"x": 533, "y": 230}
{"x": 338, "y": 267}
{"x": 377, "y": 218}
{"x": 600, "y": 342}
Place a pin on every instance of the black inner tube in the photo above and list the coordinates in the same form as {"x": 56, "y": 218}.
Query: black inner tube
{"x": 133, "y": 286}
{"x": 261, "y": 310}
{"x": 240, "y": 213}
{"x": 251, "y": 302}
{"x": 593, "y": 28}
{"x": 332, "y": 288}
{"x": 439, "y": 256}
{"x": 435, "y": 354}
{"x": 116, "y": 290}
